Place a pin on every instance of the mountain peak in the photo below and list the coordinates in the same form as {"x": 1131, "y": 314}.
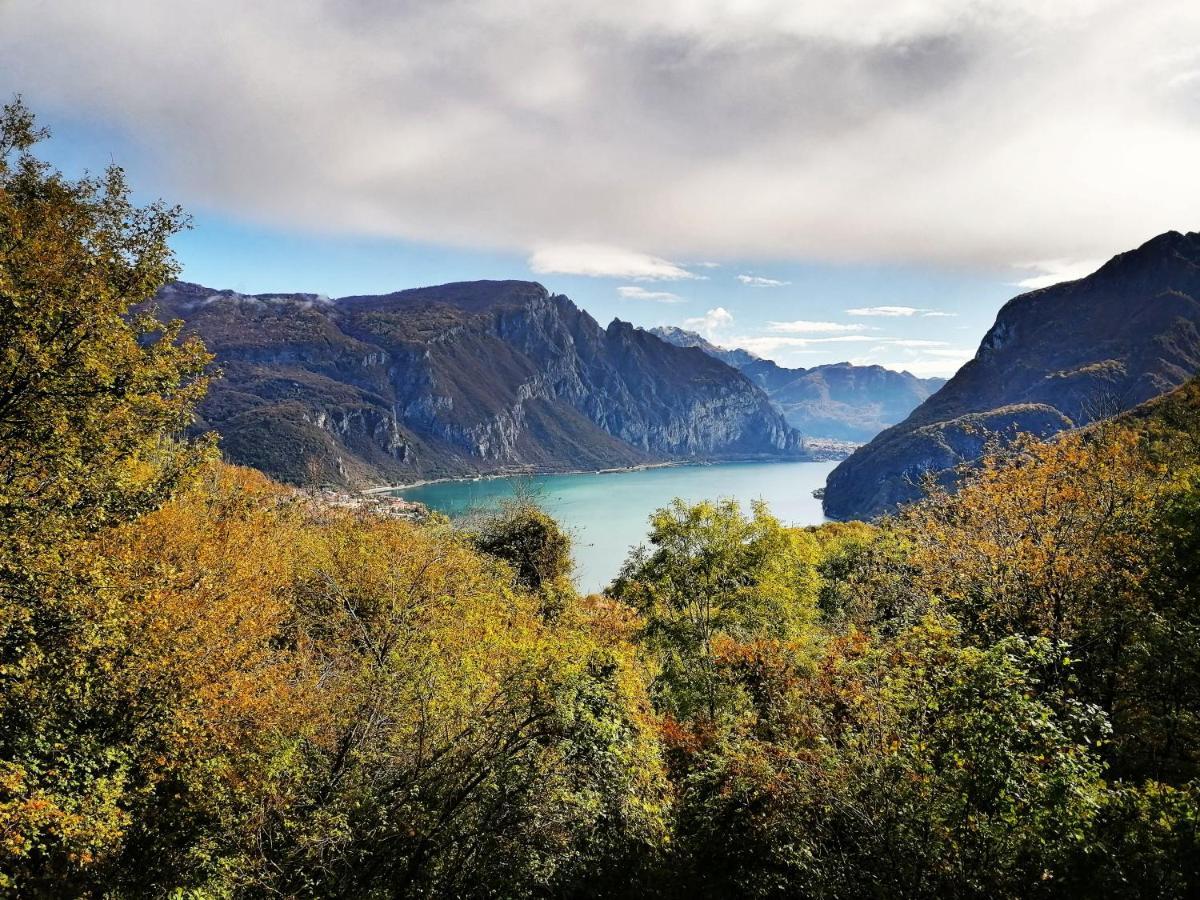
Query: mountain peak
{"x": 469, "y": 296}
{"x": 460, "y": 379}
{"x": 1167, "y": 248}
{"x": 1056, "y": 358}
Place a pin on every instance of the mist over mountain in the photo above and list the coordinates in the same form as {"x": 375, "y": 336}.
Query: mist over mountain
{"x": 458, "y": 380}
{"x": 838, "y": 400}
{"x": 1056, "y": 358}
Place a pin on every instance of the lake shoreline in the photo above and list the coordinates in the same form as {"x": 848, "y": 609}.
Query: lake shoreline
{"x": 608, "y": 512}
{"x": 826, "y": 456}
{"x": 532, "y": 473}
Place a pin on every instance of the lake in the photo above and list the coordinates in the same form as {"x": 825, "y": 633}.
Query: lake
{"x": 607, "y": 513}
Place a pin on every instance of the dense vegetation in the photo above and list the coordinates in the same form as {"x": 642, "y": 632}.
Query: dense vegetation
{"x": 212, "y": 686}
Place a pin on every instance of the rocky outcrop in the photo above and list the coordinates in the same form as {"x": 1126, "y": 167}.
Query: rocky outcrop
{"x": 839, "y": 401}
{"x": 1056, "y": 358}
{"x": 461, "y": 379}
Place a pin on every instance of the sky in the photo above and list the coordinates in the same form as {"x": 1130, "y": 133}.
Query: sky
{"x": 866, "y": 180}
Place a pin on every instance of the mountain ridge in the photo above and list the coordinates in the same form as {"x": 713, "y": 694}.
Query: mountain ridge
{"x": 1055, "y": 358}
{"x": 459, "y": 380}
{"x": 838, "y": 401}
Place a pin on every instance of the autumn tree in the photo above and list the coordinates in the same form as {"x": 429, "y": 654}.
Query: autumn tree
{"x": 374, "y": 709}
{"x": 711, "y": 573}
{"x": 93, "y": 390}
{"x": 906, "y": 767}
{"x": 524, "y": 536}
{"x": 1088, "y": 540}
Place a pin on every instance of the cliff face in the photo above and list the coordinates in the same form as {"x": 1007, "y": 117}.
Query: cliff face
{"x": 458, "y": 380}
{"x": 839, "y": 401}
{"x": 1056, "y": 358}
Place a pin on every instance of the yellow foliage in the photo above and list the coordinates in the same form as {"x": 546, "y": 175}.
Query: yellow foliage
{"x": 1047, "y": 539}
{"x": 280, "y": 669}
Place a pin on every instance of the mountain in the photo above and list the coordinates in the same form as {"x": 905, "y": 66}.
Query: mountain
{"x": 680, "y": 337}
{"x": 839, "y": 401}
{"x": 457, "y": 380}
{"x": 1056, "y": 358}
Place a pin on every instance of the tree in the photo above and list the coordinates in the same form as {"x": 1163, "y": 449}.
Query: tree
{"x": 907, "y": 767}
{"x": 92, "y": 386}
{"x": 93, "y": 390}
{"x": 522, "y": 535}
{"x": 709, "y": 574}
{"x": 1090, "y": 541}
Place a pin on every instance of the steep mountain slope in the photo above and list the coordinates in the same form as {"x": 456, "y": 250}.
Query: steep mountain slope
{"x": 457, "y": 380}
{"x": 840, "y": 400}
{"x": 1058, "y": 357}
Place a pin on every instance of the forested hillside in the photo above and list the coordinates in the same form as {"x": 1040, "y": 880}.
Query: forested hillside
{"x": 212, "y": 686}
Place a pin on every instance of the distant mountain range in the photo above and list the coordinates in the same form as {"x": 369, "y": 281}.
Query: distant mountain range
{"x": 1056, "y": 358}
{"x": 839, "y": 401}
{"x": 458, "y": 380}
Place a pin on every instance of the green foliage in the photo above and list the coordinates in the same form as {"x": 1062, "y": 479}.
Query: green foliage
{"x": 524, "y": 536}
{"x": 709, "y": 574}
{"x": 1146, "y": 843}
{"x": 909, "y": 768}
{"x": 90, "y": 387}
{"x": 865, "y": 578}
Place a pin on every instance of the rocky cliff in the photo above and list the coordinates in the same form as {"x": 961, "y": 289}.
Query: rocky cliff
{"x": 459, "y": 380}
{"x": 1056, "y": 358}
{"x": 839, "y": 401}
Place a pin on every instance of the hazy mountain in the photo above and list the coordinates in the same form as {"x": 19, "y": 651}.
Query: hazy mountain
{"x": 840, "y": 400}
{"x": 681, "y": 337}
{"x": 460, "y": 379}
{"x": 1058, "y": 357}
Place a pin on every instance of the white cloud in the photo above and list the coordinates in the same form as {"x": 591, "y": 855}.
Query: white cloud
{"x": 886, "y": 311}
{"x": 929, "y": 131}
{"x": 758, "y": 281}
{"x": 804, "y": 326}
{"x": 924, "y": 362}
{"x": 711, "y": 323}
{"x": 769, "y": 346}
{"x": 937, "y": 314}
{"x": 923, "y": 358}
{"x": 633, "y": 292}
{"x": 605, "y": 262}
{"x": 765, "y": 344}
{"x": 1052, "y": 271}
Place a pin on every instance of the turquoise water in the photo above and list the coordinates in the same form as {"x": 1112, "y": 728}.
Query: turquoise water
{"x": 607, "y": 513}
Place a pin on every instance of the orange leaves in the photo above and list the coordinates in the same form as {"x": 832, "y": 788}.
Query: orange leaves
{"x": 1039, "y": 539}
{"x": 286, "y": 669}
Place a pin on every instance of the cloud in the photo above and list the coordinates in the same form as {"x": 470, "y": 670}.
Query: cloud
{"x": 711, "y": 323}
{"x": 886, "y": 311}
{"x": 605, "y": 262}
{"x": 804, "y": 326}
{"x": 1052, "y": 271}
{"x": 923, "y": 362}
{"x": 937, "y": 314}
{"x": 929, "y": 131}
{"x": 914, "y": 342}
{"x": 767, "y": 344}
{"x": 757, "y": 281}
{"x": 633, "y": 292}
